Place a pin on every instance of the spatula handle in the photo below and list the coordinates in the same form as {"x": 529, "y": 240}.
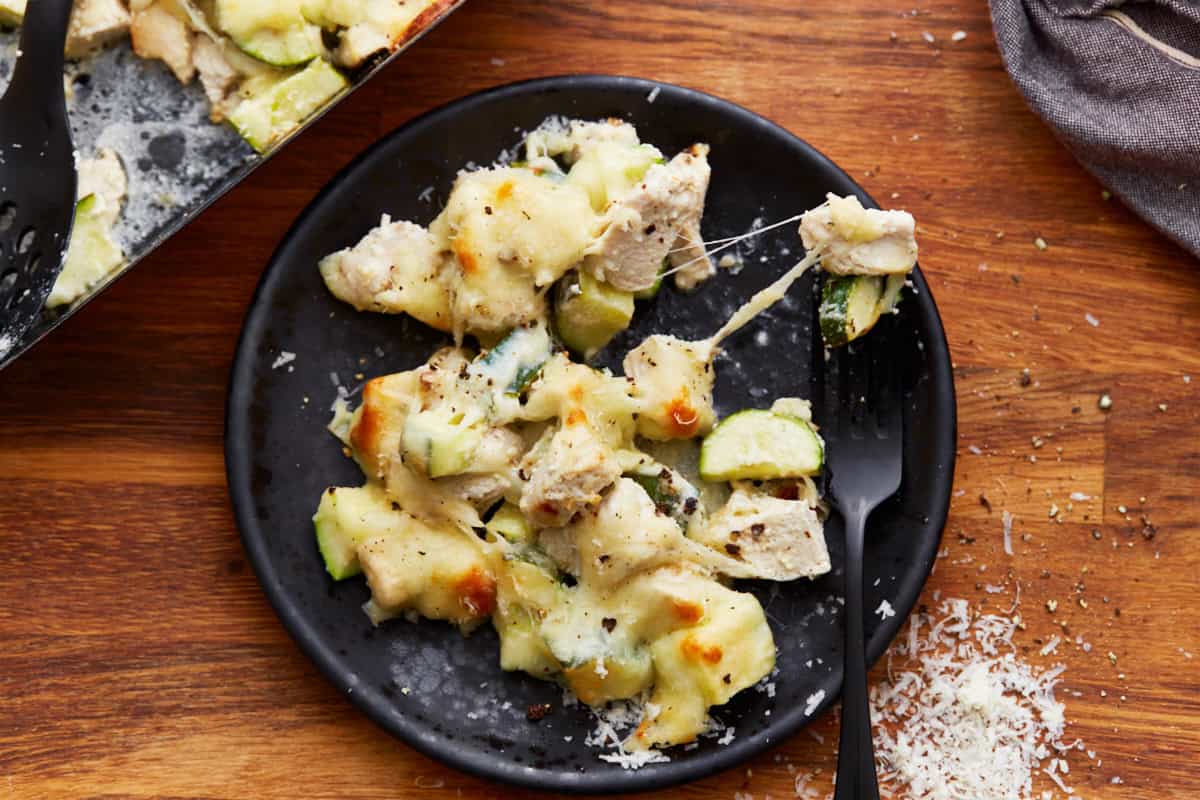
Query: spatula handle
{"x": 39, "y": 68}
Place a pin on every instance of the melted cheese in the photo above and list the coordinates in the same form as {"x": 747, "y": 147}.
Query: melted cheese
{"x": 511, "y": 233}
{"x": 649, "y": 614}
{"x": 567, "y": 389}
{"x": 672, "y": 386}
{"x": 761, "y": 301}
{"x": 525, "y": 595}
{"x": 438, "y": 572}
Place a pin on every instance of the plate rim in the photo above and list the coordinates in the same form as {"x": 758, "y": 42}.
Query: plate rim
{"x": 785, "y": 724}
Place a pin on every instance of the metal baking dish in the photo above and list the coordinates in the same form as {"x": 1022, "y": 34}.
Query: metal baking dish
{"x": 177, "y": 161}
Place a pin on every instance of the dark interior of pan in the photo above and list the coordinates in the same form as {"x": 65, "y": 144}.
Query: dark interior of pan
{"x": 177, "y": 161}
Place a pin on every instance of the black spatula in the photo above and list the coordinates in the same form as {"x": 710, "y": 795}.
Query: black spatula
{"x": 37, "y": 171}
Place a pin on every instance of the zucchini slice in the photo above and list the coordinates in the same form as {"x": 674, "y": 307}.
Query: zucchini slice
{"x": 761, "y": 445}
{"x": 441, "y": 441}
{"x": 510, "y": 524}
{"x": 272, "y": 31}
{"x": 589, "y": 313}
{"x": 91, "y": 255}
{"x": 517, "y": 359}
{"x": 850, "y": 306}
{"x": 892, "y": 287}
{"x": 276, "y": 109}
{"x": 289, "y": 48}
{"x": 608, "y": 170}
{"x": 345, "y": 518}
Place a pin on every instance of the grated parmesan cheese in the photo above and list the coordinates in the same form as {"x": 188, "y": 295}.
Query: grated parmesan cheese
{"x": 968, "y": 720}
{"x": 1007, "y": 520}
{"x": 283, "y": 359}
{"x": 803, "y": 788}
{"x": 612, "y": 722}
{"x": 635, "y": 759}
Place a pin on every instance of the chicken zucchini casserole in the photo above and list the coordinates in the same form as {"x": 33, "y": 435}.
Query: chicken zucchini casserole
{"x": 265, "y": 66}
{"x": 507, "y": 481}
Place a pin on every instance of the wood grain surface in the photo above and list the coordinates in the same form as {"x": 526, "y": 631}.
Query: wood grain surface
{"x": 140, "y": 659}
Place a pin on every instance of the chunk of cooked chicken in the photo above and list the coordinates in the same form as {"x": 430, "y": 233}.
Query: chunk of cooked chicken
{"x": 672, "y": 384}
{"x": 158, "y": 33}
{"x": 217, "y": 75}
{"x": 435, "y": 571}
{"x": 566, "y": 388}
{"x": 688, "y": 255}
{"x": 625, "y": 536}
{"x": 493, "y": 470}
{"x": 439, "y": 379}
{"x": 776, "y": 539}
{"x": 854, "y": 240}
{"x": 568, "y": 475}
{"x": 640, "y": 228}
{"x": 95, "y": 23}
{"x": 396, "y": 268}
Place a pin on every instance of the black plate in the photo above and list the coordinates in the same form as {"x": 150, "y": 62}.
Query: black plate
{"x": 280, "y": 458}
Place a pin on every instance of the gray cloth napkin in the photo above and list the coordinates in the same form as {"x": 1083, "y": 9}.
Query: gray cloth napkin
{"x": 1119, "y": 82}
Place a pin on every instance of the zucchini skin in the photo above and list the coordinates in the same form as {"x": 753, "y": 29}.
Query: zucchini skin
{"x": 835, "y": 299}
{"x": 843, "y": 314}
{"x": 588, "y": 312}
{"x": 737, "y": 431}
{"x": 652, "y": 292}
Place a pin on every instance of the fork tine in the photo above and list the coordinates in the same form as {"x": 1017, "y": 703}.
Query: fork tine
{"x": 856, "y": 389}
{"x": 885, "y": 392}
{"x": 843, "y": 409}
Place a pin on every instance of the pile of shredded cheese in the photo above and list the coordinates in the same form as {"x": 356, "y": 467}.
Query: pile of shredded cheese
{"x": 969, "y": 719}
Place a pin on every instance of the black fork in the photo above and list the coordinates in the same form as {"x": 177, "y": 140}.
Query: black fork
{"x": 861, "y": 416}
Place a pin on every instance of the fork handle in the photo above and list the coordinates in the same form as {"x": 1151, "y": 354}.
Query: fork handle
{"x": 856, "y": 752}
{"x": 38, "y": 71}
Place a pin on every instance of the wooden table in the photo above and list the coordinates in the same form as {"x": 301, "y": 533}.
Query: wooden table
{"x": 140, "y": 659}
